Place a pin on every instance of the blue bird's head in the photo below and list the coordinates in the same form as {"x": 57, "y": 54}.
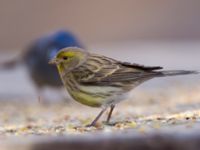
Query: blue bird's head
{"x": 42, "y": 51}
{"x": 60, "y": 40}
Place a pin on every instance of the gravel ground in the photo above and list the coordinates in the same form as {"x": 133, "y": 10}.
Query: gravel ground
{"x": 152, "y": 123}
{"x": 153, "y": 111}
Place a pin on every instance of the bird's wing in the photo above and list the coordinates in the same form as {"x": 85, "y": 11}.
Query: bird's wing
{"x": 114, "y": 71}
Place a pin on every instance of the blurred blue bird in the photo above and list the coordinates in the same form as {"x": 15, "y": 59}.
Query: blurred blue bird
{"x": 38, "y": 54}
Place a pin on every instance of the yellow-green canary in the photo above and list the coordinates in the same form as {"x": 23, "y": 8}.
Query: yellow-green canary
{"x": 99, "y": 81}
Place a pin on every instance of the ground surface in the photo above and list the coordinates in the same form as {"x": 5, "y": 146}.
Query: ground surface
{"x": 148, "y": 119}
{"x": 66, "y": 118}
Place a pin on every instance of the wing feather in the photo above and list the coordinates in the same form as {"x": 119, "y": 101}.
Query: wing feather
{"x": 99, "y": 70}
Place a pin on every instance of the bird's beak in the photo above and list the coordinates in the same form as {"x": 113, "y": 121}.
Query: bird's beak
{"x": 53, "y": 61}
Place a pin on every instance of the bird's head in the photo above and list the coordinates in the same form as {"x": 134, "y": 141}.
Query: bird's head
{"x": 69, "y": 58}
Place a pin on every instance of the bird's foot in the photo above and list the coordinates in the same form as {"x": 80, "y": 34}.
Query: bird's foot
{"x": 89, "y": 125}
{"x": 94, "y": 125}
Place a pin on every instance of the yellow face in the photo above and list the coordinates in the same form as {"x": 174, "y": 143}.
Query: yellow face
{"x": 69, "y": 58}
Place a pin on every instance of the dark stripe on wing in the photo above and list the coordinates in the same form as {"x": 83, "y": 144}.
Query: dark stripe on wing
{"x": 138, "y": 66}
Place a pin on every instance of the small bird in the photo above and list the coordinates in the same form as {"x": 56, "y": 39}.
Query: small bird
{"x": 37, "y": 55}
{"x": 99, "y": 81}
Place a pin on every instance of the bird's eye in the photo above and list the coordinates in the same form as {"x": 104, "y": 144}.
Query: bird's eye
{"x": 65, "y": 57}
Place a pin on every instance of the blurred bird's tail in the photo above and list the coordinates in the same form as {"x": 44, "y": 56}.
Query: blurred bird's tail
{"x": 10, "y": 64}
{"x": 177, "y": 72}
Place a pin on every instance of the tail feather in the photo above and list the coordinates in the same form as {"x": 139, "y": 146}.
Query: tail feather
{"x": 10, "y": 64}
{"x": 178, "y": 72}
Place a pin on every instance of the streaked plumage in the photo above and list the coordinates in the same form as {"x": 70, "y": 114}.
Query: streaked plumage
{"x": 99, "y": 81}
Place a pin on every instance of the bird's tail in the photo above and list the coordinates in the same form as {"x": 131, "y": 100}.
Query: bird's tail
{"x": 10, "y": 64}
{"x": 177, "y": 72}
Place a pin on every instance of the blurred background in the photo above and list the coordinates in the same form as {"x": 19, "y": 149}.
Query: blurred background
{"x": 156, "y": 32}
{"x": 99, "y": 21}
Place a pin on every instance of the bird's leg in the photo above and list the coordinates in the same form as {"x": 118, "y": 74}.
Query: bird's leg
{"x": 97, "y": 118}
{"x": 39, "y": 92}
{"x": 110, "y": 113}
{"x": 39, "y": 96}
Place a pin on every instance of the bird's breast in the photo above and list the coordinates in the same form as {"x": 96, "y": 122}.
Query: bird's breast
{"x": 90, "y": 95}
